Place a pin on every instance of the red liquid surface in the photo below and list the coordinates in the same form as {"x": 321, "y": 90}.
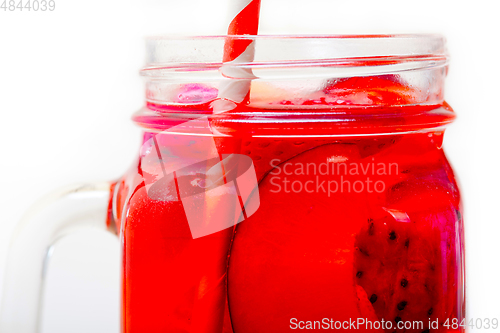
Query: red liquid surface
{"x": 391, "y": 253}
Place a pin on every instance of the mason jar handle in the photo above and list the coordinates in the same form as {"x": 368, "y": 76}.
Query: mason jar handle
{"x": 59, "y": 214}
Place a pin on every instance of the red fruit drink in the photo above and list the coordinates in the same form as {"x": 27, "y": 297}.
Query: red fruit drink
{"x": 351, "y": 227}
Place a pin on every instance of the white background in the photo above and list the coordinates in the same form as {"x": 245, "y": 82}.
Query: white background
{"x": 69, "y": 84}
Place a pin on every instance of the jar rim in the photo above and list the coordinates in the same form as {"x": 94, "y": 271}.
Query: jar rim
{"x": 420, "y": 36}
{"x": 171, "y": 51}
{"x": 195, "y": 55}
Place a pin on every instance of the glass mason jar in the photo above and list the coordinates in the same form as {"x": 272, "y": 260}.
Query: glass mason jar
{"x": 307, "y": 188}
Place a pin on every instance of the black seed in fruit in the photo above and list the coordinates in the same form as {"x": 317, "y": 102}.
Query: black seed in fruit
{"x": 373, "y": 298}
{"x": 359, "y": 274}
{"x": 371, "y": 230}
{"x": 430, "y": 311}
{"x": 397, "y": 319}
{"x": 397, "y": 186}
{"x": 247, "y": 152}
{"x": 392, "y": 235}
{"x": 364, "y": 252}
{"x": 402, "y": 305}
{"x": 407, "y": 243}
{"x": 426, "y": 331}
{"x": 264, "y": 144}
{"x": 404, "y": 283}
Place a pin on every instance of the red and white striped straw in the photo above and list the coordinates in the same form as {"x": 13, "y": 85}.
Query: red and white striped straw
{"x": 244, "y": 16}
{"x": 244, "y": 21}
